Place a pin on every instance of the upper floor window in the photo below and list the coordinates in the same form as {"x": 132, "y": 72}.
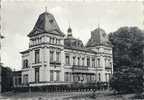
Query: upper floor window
{"x": 109, "y": 63}
{"x": 93, "y": 62}
{"x": 88, "y": 62}
{"x": 58, "y": 56}
{"x": 51, "y": 75}
{"x": 98, "y": 62}
{"x": 78, "y": 61}
{"x": 51, "y": 56}
{"x": 105, "y": 62}
{"x": 83, "y": 61}
{"x": 37, "y": 56}
{"x": 67, "y": 60}
{"x": 99, "y": 77}
{"x": 57, "y": 75}
{"x": 25, "y": 63}
{"x": 74, "y": 61}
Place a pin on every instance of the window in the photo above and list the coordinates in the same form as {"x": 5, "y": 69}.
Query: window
{"x": 59, "y": 41}
{"x": 37, "y": 56}
{"x": 57, "y": 75}
{"x": 98, "y": 62}
{"x": 74, "y": 61}
{"x": 66, "y": 77}
{"x": 51, "y": 75}
{"x": 106, "y": 77}
{"x": 99, "y": 77}
{"x": 25, "y": 63}
{"x": 53, "y": 40}
{"x": 50, "y": 40}
{"x": 51, "y": 21}
{"x": 57, "y": 56}
{"x": 105, "y": 62}
{"x": 36, "y": 75}
{"x": 83, "y": 61}
{"x": 109, "y": 63}
{"x": 67, "y": 60}
{"x": 88, "y": 62}
{"x": 93, "y": 62}
{"x": 51, "y": 56}
{"x": 78, "y": 61}
{"x": 25, "y": 79}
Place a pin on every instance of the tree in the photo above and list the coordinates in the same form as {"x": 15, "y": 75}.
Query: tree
{"x": 128, "y": 59}
{"x": 6, "y": 79}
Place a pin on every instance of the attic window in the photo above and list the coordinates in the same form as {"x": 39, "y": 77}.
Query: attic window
{"x": 51, "y": 21}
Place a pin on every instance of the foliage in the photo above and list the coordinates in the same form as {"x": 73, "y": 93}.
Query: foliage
{"x": 128, "y": 59}
{"x": 6, "y": 79}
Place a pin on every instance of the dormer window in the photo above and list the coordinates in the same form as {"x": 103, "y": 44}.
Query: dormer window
{"x": 51, "y": 21}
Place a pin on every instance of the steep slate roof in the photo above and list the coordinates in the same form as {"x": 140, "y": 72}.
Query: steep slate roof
{"x": 46, "y": 23}
{"x": 98, "y": 37}
{"x": 75, "y": 44}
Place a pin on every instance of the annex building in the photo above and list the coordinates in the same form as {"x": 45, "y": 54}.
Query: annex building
{"x": 54, "y": 58}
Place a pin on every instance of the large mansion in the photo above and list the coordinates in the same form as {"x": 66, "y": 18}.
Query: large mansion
{"x": 54, "y": 58}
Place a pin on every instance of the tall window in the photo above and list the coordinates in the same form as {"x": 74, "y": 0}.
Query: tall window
{"x": 25, "y": 79}
{"x": 51, "y": 75}
{"x": 99, "y": 77}
{"x": 51, "y": 56}
{"x": 88, "y": 62}
{"x": 67, "y": 60}
{"x": 106, "y": 77}
{"x": 58, "y": 56}
{"x": 78, "y": 61}
{"x": 25, "y": 63}
{"x": 93, "y": 62}
{"x": 57, "y": 75}
{"x": 36, "y": 75}
{"x": 83, "y": 61}
{"x": 74, "y": 61}
{"x": 66, "y": 76}
{"x": 105, "y": 62}
{"x": 98, "y": 62}
{"x": 109, "y": 63}
{"x": 37, "y": 56}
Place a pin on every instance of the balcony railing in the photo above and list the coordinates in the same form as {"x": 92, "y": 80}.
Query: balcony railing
{"x": 55, "y": 63}
{"x": 108, "y": 67}
{"x": 79, "y": 67}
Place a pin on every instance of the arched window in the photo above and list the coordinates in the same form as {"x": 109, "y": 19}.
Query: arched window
{"x": 25, "y": 63}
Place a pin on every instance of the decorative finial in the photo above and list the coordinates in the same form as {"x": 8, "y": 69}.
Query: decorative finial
{"x": 69, "y": 29}
{"x": 45, "y": 8}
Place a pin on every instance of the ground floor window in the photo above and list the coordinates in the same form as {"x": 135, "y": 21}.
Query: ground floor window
{"x": 54, "y": 75}
{"x": 51, "y": 75}
{"x": 57, "y": 75}
{"x": 36, "y": 75}
{"x": 25, "y": 79}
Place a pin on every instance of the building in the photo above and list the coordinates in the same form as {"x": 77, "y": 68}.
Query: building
{"x": 54, "y": 59}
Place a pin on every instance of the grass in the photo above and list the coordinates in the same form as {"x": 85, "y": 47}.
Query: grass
{"x": 98, "y": 95}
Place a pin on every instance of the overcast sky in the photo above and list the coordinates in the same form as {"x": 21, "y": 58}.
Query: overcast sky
{"x": 18, "y": 19}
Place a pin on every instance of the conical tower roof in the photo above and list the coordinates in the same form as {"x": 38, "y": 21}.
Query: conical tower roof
{"x": 46, "y": 23}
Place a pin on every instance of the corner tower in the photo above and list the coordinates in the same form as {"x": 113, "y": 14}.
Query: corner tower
{"x": 101, "y": 45}
{"x": 43, "y": 59}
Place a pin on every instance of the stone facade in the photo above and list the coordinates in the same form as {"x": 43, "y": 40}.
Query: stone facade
{"x": 53, "y": 58}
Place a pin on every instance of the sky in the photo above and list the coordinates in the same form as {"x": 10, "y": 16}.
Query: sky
{"x": 19, "y": 17}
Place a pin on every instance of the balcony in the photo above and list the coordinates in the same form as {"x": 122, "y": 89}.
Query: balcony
{"x": 79, "y": 67}
{"x": 55, "y": 63}
{"x": 108, "y": 67}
